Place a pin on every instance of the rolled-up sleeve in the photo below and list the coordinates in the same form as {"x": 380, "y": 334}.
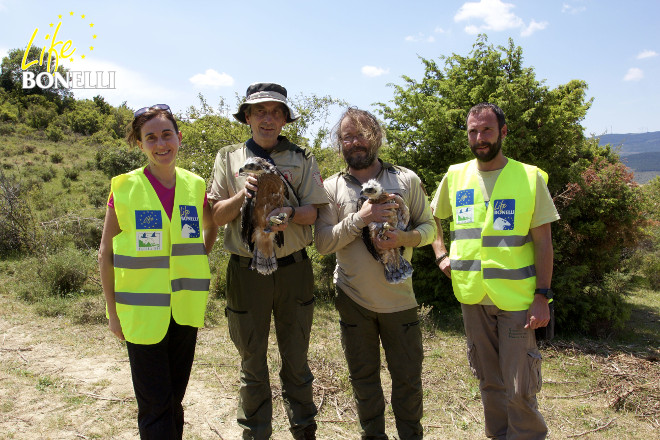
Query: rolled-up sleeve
{"x": 420, "y": 212}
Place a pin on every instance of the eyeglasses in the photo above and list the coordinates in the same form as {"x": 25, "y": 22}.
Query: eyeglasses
{"x": 143, "y": 110}
{"x": 348, "y": 139}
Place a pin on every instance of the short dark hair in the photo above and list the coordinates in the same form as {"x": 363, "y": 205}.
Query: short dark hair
{"x": 135, "y": 129}
{"x": 365, "y": 121}
{"x": 482, "y": 106}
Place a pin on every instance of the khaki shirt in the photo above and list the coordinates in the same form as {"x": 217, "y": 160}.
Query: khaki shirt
{"x": 300, "y": 169}
{"x": 339, "y": 229}
{"x": 544, "y": 209}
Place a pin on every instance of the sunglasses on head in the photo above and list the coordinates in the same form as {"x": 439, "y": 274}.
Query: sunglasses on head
{"x": 146, "y": 109}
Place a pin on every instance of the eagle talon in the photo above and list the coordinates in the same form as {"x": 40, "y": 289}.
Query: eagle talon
{"x": 277, "y": 219}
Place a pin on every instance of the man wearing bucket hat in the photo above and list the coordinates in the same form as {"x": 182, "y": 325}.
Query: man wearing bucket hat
{"x": 287, "y": 293}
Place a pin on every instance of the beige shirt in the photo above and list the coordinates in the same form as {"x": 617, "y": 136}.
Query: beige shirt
{"x": 300, "y": 169}
{"x": 544, "y": 210}
{"x": 339, "y": 229}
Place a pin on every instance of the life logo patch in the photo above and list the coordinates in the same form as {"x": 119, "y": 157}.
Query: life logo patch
{"x": 504, "y": 213}
{"x": 189, "y": 221}
{"x": 149, "y": 241}
{"x": 148, "y": 219}
{"x": 465, "y": 206}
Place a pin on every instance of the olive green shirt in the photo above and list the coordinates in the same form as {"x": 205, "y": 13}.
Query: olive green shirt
{"x": 299, "y": 168}
{"x": 339, "y": 229}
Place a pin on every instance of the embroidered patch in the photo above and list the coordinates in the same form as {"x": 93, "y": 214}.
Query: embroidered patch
{"x": 318, "y": 179}
{"x": 189, "y": 221}
{"x": 504, "y": 212}
{"x": 465, "y": 197}
{"x": 149, "y": 241}
{"x": 148, "y": 219}
{"x": 464, "y": 215}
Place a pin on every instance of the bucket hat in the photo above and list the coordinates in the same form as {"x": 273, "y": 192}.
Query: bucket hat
{"x": 265, "y": 92}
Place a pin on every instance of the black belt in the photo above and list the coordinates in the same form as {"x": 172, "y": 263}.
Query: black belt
{"x": 295, "y": 257}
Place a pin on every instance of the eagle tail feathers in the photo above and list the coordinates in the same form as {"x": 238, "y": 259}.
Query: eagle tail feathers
{"x": 263, "y": 264}
{"x": 398, "y": 273}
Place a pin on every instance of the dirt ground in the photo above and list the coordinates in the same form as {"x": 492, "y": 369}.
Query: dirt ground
{"x": 72, "y": 381}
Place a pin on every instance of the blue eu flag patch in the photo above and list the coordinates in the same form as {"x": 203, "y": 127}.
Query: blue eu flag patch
{"x": 189, "y": 221}
{"x": 465, "y": 197}
{"x": 148, "y": 219}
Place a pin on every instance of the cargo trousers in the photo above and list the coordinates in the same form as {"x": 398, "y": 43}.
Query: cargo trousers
{"x": 504, "y": 357}
{"x": 287, "y": 294}
{"x": 362, "y": 332}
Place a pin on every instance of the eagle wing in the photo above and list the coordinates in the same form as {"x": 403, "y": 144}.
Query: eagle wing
{"x": 366, "y": 232}
{"x": 247, "y": 226}
{"x": 402, "y": 213}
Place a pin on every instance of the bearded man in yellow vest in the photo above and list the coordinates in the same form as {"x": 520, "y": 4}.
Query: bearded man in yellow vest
{"x": 500, "y": 263}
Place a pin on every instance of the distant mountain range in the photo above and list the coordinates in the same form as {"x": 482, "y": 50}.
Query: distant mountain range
{"x": 639, "y": 151}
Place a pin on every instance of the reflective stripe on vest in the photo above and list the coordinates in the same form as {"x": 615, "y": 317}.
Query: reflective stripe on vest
{"x": 488, "y": 258}
{"x": 161, "y": 267}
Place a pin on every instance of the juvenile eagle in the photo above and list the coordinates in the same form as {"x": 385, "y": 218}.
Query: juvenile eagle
{"x": 397, "y": 269}
{"x": 255, "y": 227}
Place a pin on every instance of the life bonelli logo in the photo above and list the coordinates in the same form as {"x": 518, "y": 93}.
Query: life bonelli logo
{"x": 59, "y": 50}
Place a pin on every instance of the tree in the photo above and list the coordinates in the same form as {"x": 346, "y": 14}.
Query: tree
{"x": 11, "y": 76}
{"x": 425, "y": 126}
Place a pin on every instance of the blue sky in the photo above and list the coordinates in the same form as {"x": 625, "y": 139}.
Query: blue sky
{"x": 171, "y": 51}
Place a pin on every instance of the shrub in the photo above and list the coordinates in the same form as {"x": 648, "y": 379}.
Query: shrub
{"x": 48, "y": 174}
{"x": 85, "y": 118}
{"x": 56, "y": 158}
{"x": 18, "y": 231}
{"x": 115, "y": 161}
{"x": 39, "y": 116}
{"x": 54, "y": 133}
{"x": 65, "y": 271}
{"x": 71, "y": 173}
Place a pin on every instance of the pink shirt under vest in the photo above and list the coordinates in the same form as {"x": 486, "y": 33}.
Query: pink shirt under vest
{"x": 165, "y": 195}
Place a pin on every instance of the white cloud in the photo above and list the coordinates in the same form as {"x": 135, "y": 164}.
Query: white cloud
{"x": 495, "y": 15}
{"x": 570, "y": 9}
{"x": 533, "y": 27}
{"x": 634, "y": 74}
{"x": 420, "y": 37}
{"x": 373, "y": 71}
{"x": 439, "y": 30}
{"x": 647, "y": 54}
{"x": 212, "y": 78}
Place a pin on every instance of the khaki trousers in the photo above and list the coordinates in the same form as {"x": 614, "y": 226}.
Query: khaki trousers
{"x": 504, "y": 357}
{"x": 287, "y": 294}
{"x": 362, "y": 331}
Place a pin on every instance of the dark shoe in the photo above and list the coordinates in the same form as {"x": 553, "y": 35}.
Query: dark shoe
{"x": 309, "y": 433}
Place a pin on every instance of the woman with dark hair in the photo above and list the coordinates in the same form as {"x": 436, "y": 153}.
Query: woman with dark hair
{"x": 154, "y": 268}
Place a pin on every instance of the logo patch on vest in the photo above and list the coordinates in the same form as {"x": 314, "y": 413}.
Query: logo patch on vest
{"x": 465, "y": 197}
{"x": 189, "y": 221}
{"x": 464, "y": 215}
{"x": 149, "y": 241}
{"x": 504, "y": 212}
{"x": 148, "y": 219}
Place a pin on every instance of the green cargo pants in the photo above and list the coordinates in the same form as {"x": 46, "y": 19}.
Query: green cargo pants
{"x": 251, "y": 298}
{"x": 362, "y": 331}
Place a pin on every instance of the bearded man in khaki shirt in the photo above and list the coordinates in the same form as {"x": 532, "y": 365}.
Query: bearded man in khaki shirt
{"x": 371, "y": 309}
{"x": 288, "y": 293}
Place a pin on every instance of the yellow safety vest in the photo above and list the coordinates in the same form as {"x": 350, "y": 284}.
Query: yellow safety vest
{"x": 492, "y": 250}
{"x": 161, "y": 267}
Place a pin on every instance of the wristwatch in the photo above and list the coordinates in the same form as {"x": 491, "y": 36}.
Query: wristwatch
{"x": 548, "y": 293}
{"x": 293, "y": 213}
{"x": 440, "y": 258}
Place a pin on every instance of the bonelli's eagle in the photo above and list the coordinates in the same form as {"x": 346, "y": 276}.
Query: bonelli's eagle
{"x": 255, "y": 227}
{"x": 397, "y": 268}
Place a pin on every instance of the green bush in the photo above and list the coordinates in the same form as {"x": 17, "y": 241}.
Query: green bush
{"x": 39, "y": 117}
{"x": 115, "y": 161}
{"x": 65, "y": 272}
{"x": 71, "y": 173}
{"x": 56, "y": 158}
{"x": 18, "y": 230}
{"x": 54, "y": 133}
{"x": 47, "y": 174}
{"x": 85, "y": 118}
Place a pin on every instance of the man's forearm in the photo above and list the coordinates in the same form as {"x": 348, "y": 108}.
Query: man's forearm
{"x": 224, "y": 211}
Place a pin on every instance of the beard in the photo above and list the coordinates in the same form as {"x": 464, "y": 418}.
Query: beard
{"x": 360, "y": 162}
{"x": 493, "y": 149}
